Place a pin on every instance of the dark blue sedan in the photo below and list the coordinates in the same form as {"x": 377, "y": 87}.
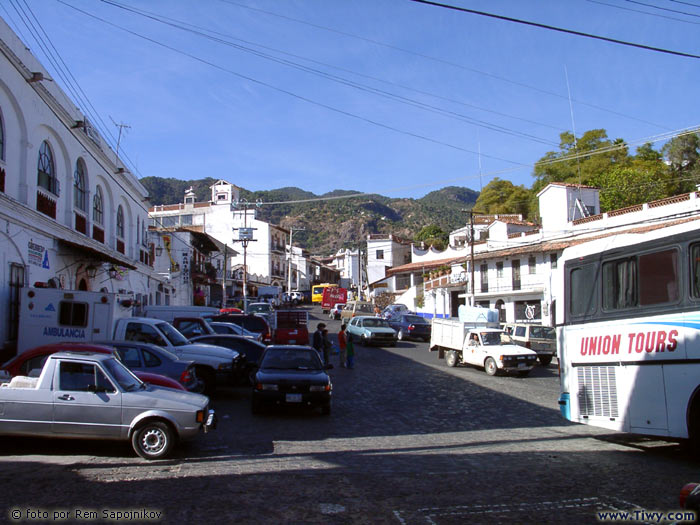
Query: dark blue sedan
{"x": 291, "y": 376}
{"x": 410, "y": 326}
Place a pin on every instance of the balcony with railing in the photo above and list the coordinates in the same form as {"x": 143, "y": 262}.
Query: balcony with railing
{"x": 46, "y": 203}
{"x": 81, "y": 223}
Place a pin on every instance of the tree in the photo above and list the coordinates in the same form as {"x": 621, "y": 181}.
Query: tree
{"x": 684, "y": 160}
{"x": 433, "y": 235}
{"x": 502, "y": 196}
{"x": 641, "y": 181}
{"x": 579, "y": 161}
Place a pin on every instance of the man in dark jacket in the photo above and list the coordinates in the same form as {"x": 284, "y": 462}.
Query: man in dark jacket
{"x": 318, "y": 338}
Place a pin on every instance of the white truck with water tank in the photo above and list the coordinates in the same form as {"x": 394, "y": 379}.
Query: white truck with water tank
{"x": 474, "y": 338}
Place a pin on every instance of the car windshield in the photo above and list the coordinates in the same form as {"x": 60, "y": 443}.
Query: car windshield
{"x": 375, "y": 322}
{"x": 290, "y": 359}
{"x": 415, "y": 319}
{"x": 492, "y": 338}
{"x": 127, "y": 381}
{"x": 174, "y": 337}
{"x": 542, "y": 332}
{"x": 259, "y": 308}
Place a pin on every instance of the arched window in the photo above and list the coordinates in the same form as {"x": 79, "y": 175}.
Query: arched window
{"x": 80, "y": 186}
{"x": 46, "y": 169}
{"x": 120, "y": 222}
{"x": 98, "y": 207}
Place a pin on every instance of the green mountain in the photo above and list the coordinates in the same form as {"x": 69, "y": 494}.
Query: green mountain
{"x": 337, "y": 219}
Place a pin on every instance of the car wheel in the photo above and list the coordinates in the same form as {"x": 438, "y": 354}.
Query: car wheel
{"x": 490, "y": 366}
{"x": 255, "y": 406}
{"x": 400, "y": 335}
{"x": 545, "y": 359}
{"x": 326, "y": 409}
{"x": 153, "y": 440}
{"x": 451, "y": 358}
{"x": 363, "y": 340}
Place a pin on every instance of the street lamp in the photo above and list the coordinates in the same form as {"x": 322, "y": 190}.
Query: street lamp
{"x": 91, "y": 271}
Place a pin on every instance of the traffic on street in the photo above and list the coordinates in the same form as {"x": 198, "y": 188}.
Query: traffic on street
{"x": 409, "y": 440}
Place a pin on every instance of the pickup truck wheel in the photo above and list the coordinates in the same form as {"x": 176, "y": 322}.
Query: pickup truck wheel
{"x": 400, "y": 335}
{"x": 208, "y": 377}
{"x": 451, "y": 358}
{"x": 153, "y": 440}
{"x": 490, "y": 366}
{"x": 545, "y": 359}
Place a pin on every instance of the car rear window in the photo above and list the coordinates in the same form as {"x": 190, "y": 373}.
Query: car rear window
{"x": 542, "y": 332}
{"x": 415, "y": 319}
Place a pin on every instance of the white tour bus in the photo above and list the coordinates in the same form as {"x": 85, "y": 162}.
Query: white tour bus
{"x": 629, "y": 339}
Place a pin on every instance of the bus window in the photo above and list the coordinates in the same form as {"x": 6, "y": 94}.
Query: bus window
{"x": 620, "y": 284}
{"x": 658, "y": 278}
{"x": 581, "y": 292}
{"x": 695, "y": 270}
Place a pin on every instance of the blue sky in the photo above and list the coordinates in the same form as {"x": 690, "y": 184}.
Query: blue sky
{"x": 431, "y": 87}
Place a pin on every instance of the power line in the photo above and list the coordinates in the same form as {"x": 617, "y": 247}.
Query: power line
{"x": 662, "y": 8}
{"x": 344, "y": 81}
{"x": 445, "y": 62}
{"x": 643, "y": 12}
{"x": 62, "y": 70}
{"x": 554, "y": 28}
{"x": 288, "y": 92}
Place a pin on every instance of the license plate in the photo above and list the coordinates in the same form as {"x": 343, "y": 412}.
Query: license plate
{"x": 292, "y": 341}
{"x": 293, "y": 398}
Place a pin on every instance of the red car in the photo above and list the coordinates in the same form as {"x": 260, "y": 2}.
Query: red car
{"x": 34, "y": 358}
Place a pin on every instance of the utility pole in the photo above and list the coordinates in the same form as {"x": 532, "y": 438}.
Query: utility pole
{"x": 289, "y": 269}
{"x": 471, "y": 258}
{"x": 245, "y": 235}
{"x": 223, "y": 280}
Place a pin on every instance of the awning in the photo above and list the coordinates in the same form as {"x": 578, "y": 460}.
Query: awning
{"x": 98, "y": 253}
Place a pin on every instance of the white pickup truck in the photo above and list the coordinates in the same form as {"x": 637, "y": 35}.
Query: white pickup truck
{"x": 477, "y": 343}
{"x": 88, "y": 395}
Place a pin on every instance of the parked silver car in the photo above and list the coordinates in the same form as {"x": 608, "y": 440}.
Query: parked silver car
{"x": 90, "y": 395}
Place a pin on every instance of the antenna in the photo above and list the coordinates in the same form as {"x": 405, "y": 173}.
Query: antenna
{"x": 121, "y": 127}
{"x": 573, "y": 129}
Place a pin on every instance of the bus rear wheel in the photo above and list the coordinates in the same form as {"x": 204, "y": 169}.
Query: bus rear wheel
{"x": 694, "y": 428}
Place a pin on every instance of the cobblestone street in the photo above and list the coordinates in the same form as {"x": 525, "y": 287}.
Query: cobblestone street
{"x": 409, "y": 441}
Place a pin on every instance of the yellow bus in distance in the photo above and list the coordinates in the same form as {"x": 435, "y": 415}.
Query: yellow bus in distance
{"x": 317, "y": 291}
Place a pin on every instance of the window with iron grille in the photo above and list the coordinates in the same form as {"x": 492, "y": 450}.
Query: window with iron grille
{"x": 46, "y": 170}
{"x": 80, "y": 186}
{"x": 98, "y": 207}
{"x": 120, "y": 222}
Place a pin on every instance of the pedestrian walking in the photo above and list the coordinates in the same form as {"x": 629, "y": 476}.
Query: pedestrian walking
{"x": 350, "y": 348}
{"x": 327, "y": 346}
{"x": 342, "y": 344}
{"x": 317, "y": 342}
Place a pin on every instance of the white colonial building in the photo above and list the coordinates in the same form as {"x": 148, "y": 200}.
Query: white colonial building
{"x": 234, "y": 223}
{"x": 515, "y": 267}
{"x": 71, "y": 215}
